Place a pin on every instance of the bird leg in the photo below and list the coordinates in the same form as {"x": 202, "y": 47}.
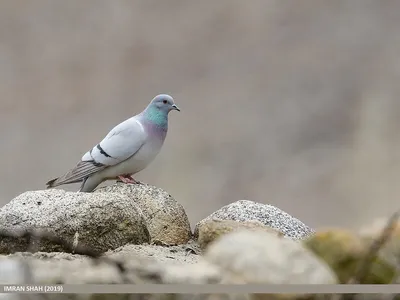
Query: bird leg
{"x": 128, "y": 179}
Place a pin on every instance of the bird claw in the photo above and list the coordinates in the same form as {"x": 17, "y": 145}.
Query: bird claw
{"x": 128, "y": 179}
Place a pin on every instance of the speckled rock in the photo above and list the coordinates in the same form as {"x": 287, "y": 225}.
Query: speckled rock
{"x": 99, "y": 221}
{"x": 245, "y": 210}
{"x": 166, "y": 218}
{"x": 251, "y": 256}
{"x": 212, "y": 230}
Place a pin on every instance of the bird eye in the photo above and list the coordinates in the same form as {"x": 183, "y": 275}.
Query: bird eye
{"x": 165, "y": 101}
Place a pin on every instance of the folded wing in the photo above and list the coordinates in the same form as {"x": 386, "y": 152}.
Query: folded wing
{"x": 122, "y": 142}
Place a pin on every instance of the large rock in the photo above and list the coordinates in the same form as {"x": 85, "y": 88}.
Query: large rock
{"x": 100, "y": 221}
{"x": 212, "y": 230}
{"x": 245, "y": 210}
{"x": 249, "y": 256}
{"x": 166, "y": 218}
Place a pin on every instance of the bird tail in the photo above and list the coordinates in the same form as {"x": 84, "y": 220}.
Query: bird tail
{"x": 81, "y": 171}
{"x": 52, "y": 183}
{"x": 60, "y": 181}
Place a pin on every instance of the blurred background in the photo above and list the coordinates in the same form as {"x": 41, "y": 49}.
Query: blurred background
{"x": 289, "y": 103}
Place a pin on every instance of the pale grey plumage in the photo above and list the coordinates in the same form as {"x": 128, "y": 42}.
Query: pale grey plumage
{"x": 127, "y": 149}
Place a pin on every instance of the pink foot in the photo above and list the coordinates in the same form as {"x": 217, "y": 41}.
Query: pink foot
{"x": 128, "y": 179}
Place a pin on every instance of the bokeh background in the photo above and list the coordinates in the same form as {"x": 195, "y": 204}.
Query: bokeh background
{"x": 290, "y": 103}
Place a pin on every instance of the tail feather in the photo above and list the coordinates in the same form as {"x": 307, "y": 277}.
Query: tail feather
{"x": 82, "y": 170}
{"x": 59, "y": 181}
{"x": 52, "y": 183}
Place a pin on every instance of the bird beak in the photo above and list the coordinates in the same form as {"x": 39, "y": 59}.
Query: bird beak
{"x": 175, "y": 107}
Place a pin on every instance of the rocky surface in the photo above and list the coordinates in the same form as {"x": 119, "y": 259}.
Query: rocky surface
{"x": 143, "y": 263}
{"x": 189, "y": 253}
{"x": 212, "y": 230}
{"x": 166, "y": 219}
{"x": 100, "y": 221}
{"x": 244, "y": 256}
{"x": 271, "y": 216}
{"x": 256, "y": 256}
{"x": 139, "y": 234}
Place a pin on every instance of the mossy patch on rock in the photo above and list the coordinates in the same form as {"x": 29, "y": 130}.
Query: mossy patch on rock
{"x": 390, "y": 251}
{"x": 344, "y": 251}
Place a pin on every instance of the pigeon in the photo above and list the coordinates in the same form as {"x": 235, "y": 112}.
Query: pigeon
{"x": 126, "y": 150}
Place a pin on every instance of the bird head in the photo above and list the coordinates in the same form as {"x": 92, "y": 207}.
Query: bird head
{"x": 165, "y": 103}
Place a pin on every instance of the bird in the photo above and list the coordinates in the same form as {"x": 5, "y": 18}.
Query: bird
{"x": 126, "y": 150}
